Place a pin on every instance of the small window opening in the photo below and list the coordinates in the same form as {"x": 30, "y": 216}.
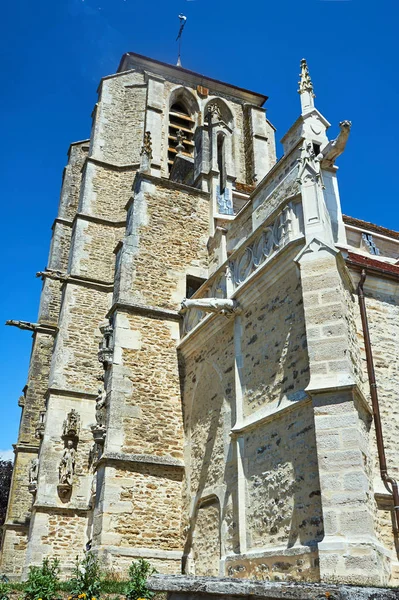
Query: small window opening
{"x": 221, "y": 163}
{"x": 179, "y": 119}
{"x": 316, "y": 149}
{"x": 193, "y": 284}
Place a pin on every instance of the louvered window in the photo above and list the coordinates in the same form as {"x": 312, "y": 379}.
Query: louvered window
{"x": 179, "y": 119}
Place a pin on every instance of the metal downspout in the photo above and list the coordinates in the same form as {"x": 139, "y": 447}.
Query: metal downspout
{"x": 390, "y": 483}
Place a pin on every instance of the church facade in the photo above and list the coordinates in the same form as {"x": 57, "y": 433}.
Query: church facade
{"x": 200, "y": 390}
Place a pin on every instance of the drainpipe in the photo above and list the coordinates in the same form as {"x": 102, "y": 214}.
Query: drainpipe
{"x": 390, "y": 483}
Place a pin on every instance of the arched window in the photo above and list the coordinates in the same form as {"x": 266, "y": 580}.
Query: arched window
{"x": 181, "y": 126}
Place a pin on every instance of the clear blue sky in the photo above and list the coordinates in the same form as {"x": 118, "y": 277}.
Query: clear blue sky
{"x": 55, "y": 52}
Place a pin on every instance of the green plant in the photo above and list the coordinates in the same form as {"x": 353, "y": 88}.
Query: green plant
{"x": 86, "y": 583}
{"x": 43, "y": 582}
{"x": 139, "y": 571}
{"x": 4, "y": 589}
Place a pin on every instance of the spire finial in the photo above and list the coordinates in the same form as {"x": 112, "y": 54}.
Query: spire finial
{"x": 306, "y": 88}
{"x": 183, "y": 20}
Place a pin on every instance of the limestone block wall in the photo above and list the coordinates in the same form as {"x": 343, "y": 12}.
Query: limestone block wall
{"x": 75, "y": 363}
{"x": 250, "y": 447}
{"x": 211, "y": 474}
{"x": 107, "y": 190}
{"x": 273, "y": 343}
{"x": 145, "y": 408}
{"x": 383, "y": 312}
{"x": 118, "y": 123}
{"x": 283, "y": 488}
{"x": 71, "y": 181}
{"x": 170, "y": 225}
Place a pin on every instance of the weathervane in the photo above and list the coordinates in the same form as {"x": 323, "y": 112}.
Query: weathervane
{"x": 183, "y": 20}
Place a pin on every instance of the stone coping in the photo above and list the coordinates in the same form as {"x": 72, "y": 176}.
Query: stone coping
{"x": 218, "y": 586}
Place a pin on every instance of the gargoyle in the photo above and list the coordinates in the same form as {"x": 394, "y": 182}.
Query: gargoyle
{"x": 222, "y": 306}
{"x": 336, "y": 147}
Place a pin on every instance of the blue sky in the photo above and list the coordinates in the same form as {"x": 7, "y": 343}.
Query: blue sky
{"x": 53, "y": 54}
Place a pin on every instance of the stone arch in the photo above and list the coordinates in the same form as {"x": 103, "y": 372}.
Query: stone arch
{"x": 225, "y": 111}
{"x": 182, "y": 122}
{"x": 186, "y": 97}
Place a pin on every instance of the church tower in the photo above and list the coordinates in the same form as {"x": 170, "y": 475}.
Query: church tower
{"x": 172, "y": 156}
{"x": 198, "y": 392}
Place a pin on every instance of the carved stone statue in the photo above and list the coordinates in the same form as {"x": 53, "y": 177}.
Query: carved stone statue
{"x": 214, "y": 113}
{"x": 336, "y": 147}
{"x": 101, "y": 409}
{"x": 71, "y": 424}
{"x": 180, "y": 137}
{"x": 67, "y": 465}
{"x": 222, "y": 306}
{"x": 33, "y": 475}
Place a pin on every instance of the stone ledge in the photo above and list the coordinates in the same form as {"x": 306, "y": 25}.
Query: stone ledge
{"x": 148, "y": 311}
{"x": 226, "y": 586}
{"x": 112, "y": 457}
{"x": 141, "y": 552}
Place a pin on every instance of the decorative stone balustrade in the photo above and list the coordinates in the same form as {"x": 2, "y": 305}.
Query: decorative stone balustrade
{"x": 269, "y": 239}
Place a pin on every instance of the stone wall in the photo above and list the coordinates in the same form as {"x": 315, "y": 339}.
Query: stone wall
{"x": 75, "y": 363}
{"x": 383, "y": 317}
{"x": 284, "y": 507}
{"x": 172, "y": 229}
{"x": 150, "y": 417}
{"x": 273, "y": 343}
{"x": 118, "y": 127}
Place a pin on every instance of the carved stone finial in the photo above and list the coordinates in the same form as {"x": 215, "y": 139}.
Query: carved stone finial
{"x": 180, "y": 137}
{"x": 305, "y": 82}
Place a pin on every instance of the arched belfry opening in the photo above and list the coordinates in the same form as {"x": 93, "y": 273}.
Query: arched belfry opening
{"x": 181, "y": 131}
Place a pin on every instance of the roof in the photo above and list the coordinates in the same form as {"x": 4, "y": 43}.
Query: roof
{"x": 373, "y": 266}
{"x": 370, "y": 227}
{"x": 252, "y": 97}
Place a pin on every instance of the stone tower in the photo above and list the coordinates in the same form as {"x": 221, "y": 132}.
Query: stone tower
{"x": 197, "y": 392}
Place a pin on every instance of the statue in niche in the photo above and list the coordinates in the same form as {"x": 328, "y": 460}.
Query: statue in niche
{"x": 98, "y": 429}
{"x": 67, "y": 465}
{"x": 71, "y": 424}
{"x": 214, "y": 114}
{"x": 33, "y": 475}
{"x": 101, "y": 408}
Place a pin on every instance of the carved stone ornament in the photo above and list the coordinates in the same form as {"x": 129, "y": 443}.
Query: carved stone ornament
{"x": 66, "y": 469}
{"x": 147, "y": 145}
{"x": 33, "y": 475}
{"x": 71, "y": 425}
{"x": 309, "y": 169}
{"x": 305, "y": 82}
{"x": 180, "y": 137}
{"x": 99, "y": 428}
{"x": 223, "y": 306}
{"x": 336, "y": 147}
{"x": 146, "y": 154}
{"x": 106, "y": 347}
{"x": 213, "y": 112}
{"x": 39, "y": 430}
